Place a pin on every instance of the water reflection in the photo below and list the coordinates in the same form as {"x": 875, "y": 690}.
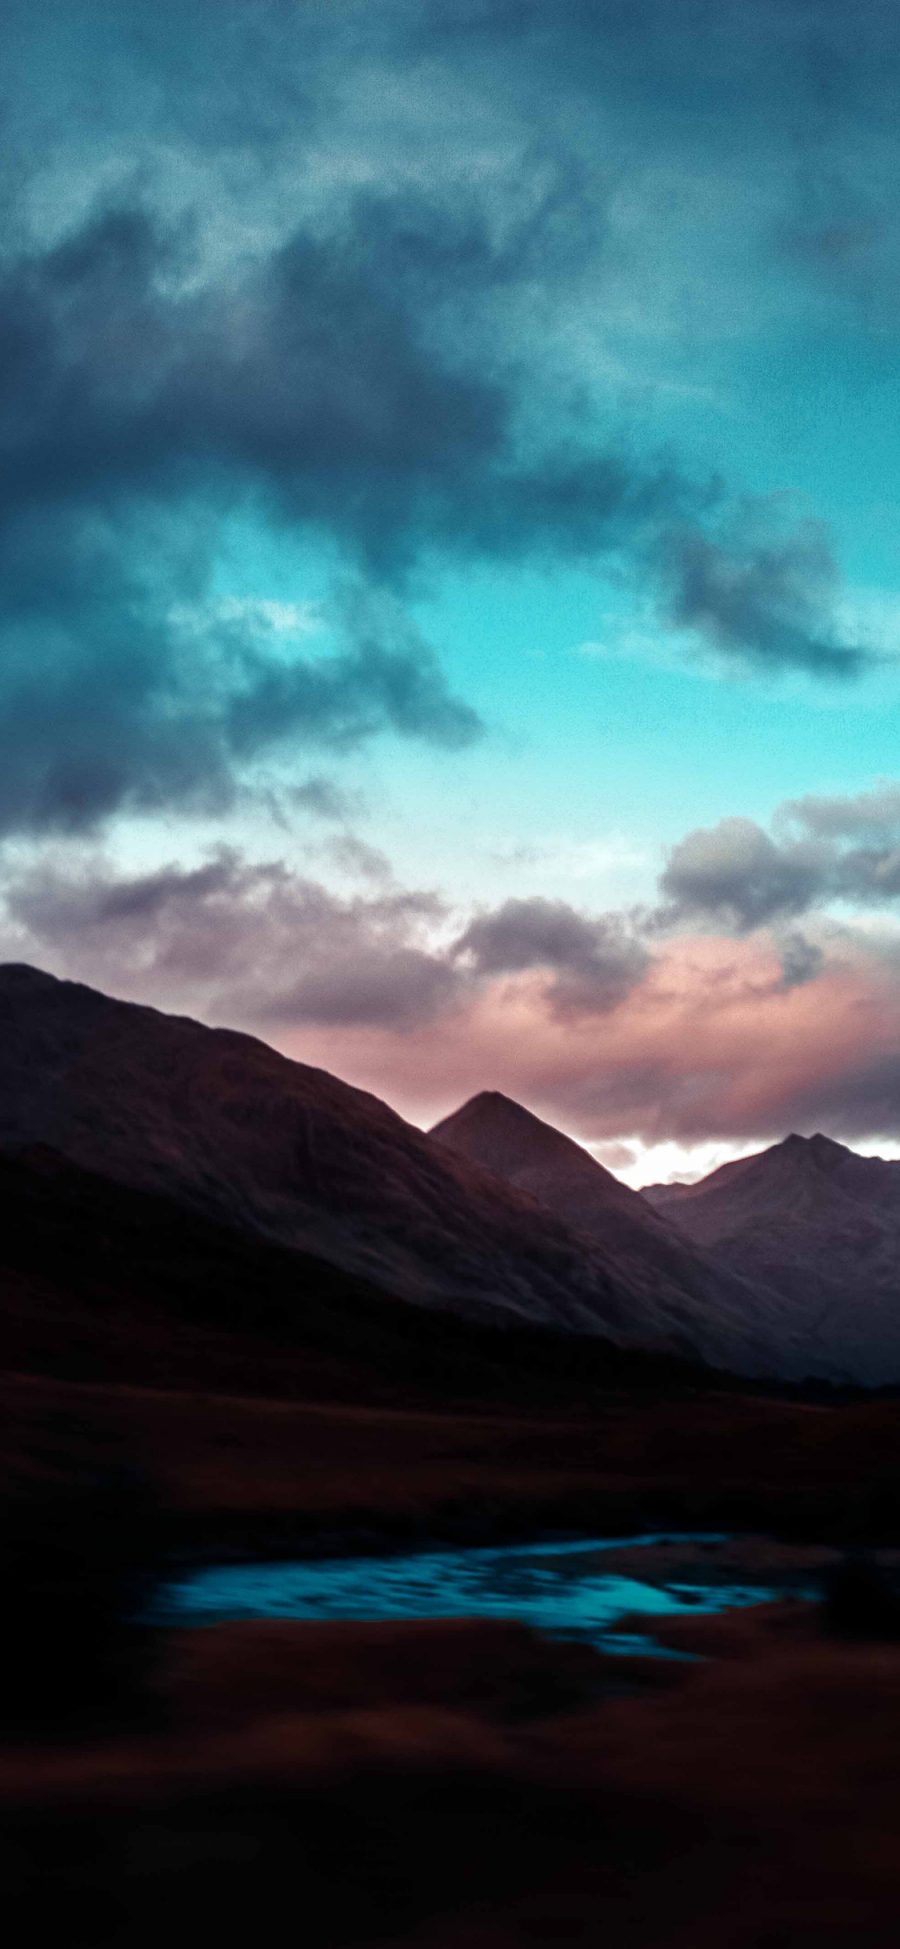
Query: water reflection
{"x": 560, "y": 1588}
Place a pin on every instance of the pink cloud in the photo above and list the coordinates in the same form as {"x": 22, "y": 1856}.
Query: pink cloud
{"x": 710, "y": 1044}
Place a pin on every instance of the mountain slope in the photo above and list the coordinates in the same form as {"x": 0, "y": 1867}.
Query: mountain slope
{"x": 821, "y": 1226}
{"x": 500, "y": 1135}
{"x": 224, "y": 1125}
{"x": 661, "y": 1195}
{"x": 105, "y": 1284}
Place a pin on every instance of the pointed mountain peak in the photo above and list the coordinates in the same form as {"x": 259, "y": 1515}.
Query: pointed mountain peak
{"x": 504, "y": 1137}
{"x": 490, "y": 1114}
{"x": 818, "y": 1149}
{"x": 490, "y": 1110}
{"x": 490, "y": 1103}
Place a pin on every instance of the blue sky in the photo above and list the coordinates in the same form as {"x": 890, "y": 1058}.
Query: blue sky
{"x": 450, "y": 514}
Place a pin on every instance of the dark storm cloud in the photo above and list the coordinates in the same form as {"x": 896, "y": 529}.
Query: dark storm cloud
{"x": 112, "y": 698}
{"x": 120, "y": 393}
{"x": 125, "y": 392}
{"x": 386, "y": 675}
{"x": 595, "y": 960}
{"x": 303, "y": 377}
{"x": 314, "y": 378}
{"x": 357, "y": 357}
{"x": 126, "y": 404}
{"x": 763, "y": 599}
{"x": 551, "y": 222}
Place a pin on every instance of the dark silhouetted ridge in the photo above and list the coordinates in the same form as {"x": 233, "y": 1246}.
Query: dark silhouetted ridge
{"x": 222, "y": 1125}
{"x": 820, "y": 1225}
{"x": 504, "y": 1137}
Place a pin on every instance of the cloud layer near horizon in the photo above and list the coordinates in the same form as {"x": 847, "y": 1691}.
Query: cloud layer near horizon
{"x": 618, "y": 1025}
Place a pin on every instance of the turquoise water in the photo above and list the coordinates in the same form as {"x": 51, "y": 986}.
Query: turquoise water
{"x": 561, "y": 1588}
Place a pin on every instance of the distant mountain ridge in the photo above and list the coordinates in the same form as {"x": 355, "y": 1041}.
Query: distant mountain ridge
{"x": 784, "y": 1264}
{"x": 502, "y": 1136}
{"x": 224, "y": 1125}
{"x": 810, "y": 1229}
{"x": 818, "y": 1224}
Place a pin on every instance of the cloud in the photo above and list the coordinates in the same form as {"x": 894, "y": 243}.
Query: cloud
{"x": 300, "y": 374}
{"x": 801, "y": 959}
{"x": 111, "y": 701}
{"x": 735, "y": 875}
{"x": 766, "y": 599}
{"x": 322, "y": 798}
{"x": 343, "y": 274}
{"x": 314, "y": 375}
{"x": 595, "y": 962}
{"x": 871, "y": 815}
{"x": 132, "y": 405}
{"x": 713, "y": 1045}
{"x": 547, "y": 220}
{"x": 616, "y": 1157}
{"x": 864, "y": 872}
{"x": 356, "y": 857}
{"x": 680, "y": 1037}
{"x": 321, "y": 376}
{"x": 135, "y": 403}
{"x": 144, "y": 394}
{"x": 266, "y": 945}
{"x": 234, "y": 941}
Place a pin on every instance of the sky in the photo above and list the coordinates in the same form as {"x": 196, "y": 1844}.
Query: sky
{"x": 449, "y": 555}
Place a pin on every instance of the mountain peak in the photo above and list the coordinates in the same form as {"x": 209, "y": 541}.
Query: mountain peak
{"x": 818, "y": 1149}
{"x": 503, "y": 1135}
{"x": 224, "y": 1127}
{"x": 488, "y": 1100}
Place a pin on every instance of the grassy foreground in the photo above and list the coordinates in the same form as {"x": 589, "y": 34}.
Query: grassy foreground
{"x": 171, "y": 1391}
{"x": 467, "y": 1787}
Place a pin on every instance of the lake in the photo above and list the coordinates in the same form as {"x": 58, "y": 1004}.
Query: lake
{"x": 572, "y": 1589}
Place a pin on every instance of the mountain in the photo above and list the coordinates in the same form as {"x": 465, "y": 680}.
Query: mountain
{"x": 660, "y": 1195}
{"x": 222, "y": 1125}
{"x": 105, "y": 1284}
{"x": 502, "y": 1136}
{"x": 820, "y": 1226}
